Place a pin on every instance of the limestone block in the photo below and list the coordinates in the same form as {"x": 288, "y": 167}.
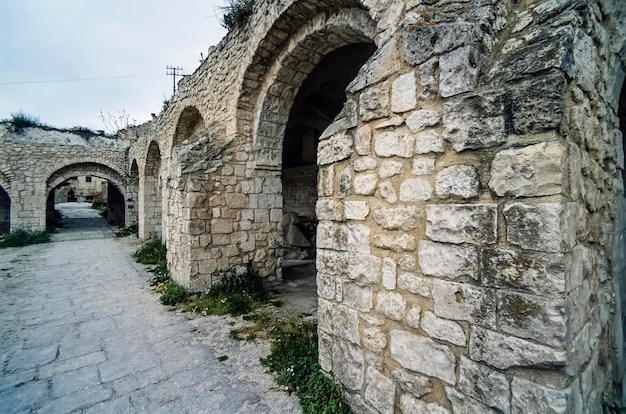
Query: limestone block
{"x": 345, "y": 182}
{"x": 389, "y": 273}
{"x": 355, "y": 210}
{"x": 421, "y": 119}
{"x": 411, "y": 405}
{"x": 363, "y": 140}
{"x": 390, "y": 168}
{"x": 364, "y": 164}
{"x": 365, "y": 183}
{"x": 459, "y": 70}
{"x": 394, "y": 121}
{"x": 388, "y": 192}
{"x": 449, "y": 261}
{"x": 458, "y": 181}
{"x": 325, "y": 351}
{"x": 463, "y": 404}
{"x": 534, "y": 227}
{"x": 374, "y": 103}
{"x": 391, "y": 304}
{"x": 429, "y": 141}
{"x": 502, "y": 351}
{"x": 530, "y": 397}
{"x": 412, "y": 383}
{"x": 423, "y": 165}
{"x": 380, "y": 391}
{"x": 413, "y": 317}
{"x": 421, "y": 42}
{"x": 364, "y": 268}
{"x": 326, "y": 181}
{"x": 338, "y": 320}
{"x": 398, "y": 242}
{"x": 462, "y": 223}
{"x": 462, "y": 302}
{"x": 398, "y": 218}
{"x": 415, "y": 284}
{"x": 422, "y": 355}
{"x": 221, "y": 226}
{"x": 534, "y": 170}
{"x": 329, "y": 209}
{"x": 538, "y": 104}
{"x": 394, "y": 143}
{"x": 539, "y": 273}
{"x": 374, "y": 339}
{"x": 343, "y": 236}
{"x": 484, "y": 384}
{"x": 357, "y": 297}
{"x": 533, "y": 317}
{"x": 348, "y": 364}
{"x": 428, "y": 79}
{"x": 443, "y": 329}
{"x": 404, "y": 93}
{"x": 325, "y": 285}
{"x": 474, "y": 122}
{"x": 336, "y": 148}
{"x": 415, "y": 189}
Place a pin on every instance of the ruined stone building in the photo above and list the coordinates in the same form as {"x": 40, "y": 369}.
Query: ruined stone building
{"x": 463, "y": 162}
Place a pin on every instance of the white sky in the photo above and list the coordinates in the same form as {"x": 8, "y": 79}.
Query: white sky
{"x": 46, "y": 40}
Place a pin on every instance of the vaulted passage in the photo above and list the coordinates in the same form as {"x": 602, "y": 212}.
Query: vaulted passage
{"x": 150, "y": 193}
{"x": 5, "y": 211}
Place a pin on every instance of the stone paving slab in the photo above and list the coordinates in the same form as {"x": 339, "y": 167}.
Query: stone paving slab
{"x": 83, "y": 333}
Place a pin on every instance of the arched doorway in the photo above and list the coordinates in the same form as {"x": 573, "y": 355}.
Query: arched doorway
{"x": 132, "y": 194}
{"x": 150, "y": 212}
{"x": 5, "y": 211}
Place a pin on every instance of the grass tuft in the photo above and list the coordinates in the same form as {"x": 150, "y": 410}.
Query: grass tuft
{"x": 20, "y": 237}
{"x": 236, "y": 13}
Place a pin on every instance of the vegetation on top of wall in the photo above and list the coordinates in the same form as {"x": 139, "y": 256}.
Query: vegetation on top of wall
{"x": 20, "y": 121}
{"x": 19, "y": 238}
{"x": 236, "y": 13}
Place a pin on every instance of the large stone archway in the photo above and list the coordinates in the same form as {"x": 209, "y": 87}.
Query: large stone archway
{"x": 150, "y": 195}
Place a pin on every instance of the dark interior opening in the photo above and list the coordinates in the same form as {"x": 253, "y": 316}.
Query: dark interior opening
{"x": 5, "y": 211}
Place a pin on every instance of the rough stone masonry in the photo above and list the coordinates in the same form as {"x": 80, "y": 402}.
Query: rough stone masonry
{"x": 470, "y": 196}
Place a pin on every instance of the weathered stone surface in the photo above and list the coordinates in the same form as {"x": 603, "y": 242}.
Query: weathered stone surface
{"x": 474, "y": 122}
{"x": 389, "y": 273}
{"x": 363, "y": 140}
{"x": 415, "y": 284}
{"x": 462, "y": 223}
{"x": 328, "y": 209}
{"x": 344, "y": 181}
{"x": 325, "y": 285}
{"x": 391, "y": 304}
{"x": 414, "y": 384}
{"x": 389, "y": 168}
{"x": 459, "y": 70}
{"x": 484, "y": 384}
{"x": 374, "y": 339}
{"x": 338, "y": 320}
{"x": 380, "y": 391}
{"x": 404, "y": 93}
{"x": 388, "y": 192}
{"x": 458, "y": 181}
{"x": 394, "y": 143}
{"x": 429, "y": 141}
{"x": 415, "y": 189}
{"x": 531, "y": 171}
{"x": 533, "y": 317}
{"x": 348, "y": 364}
{"x": 503, "y": 351}
{"x": 421, "y": 119}
{"x": 398, "y": 242}
{"x": 423, "y": 165}
{"x": 342, "y": 236}
{"x": 449, "y": 261}
{"x": 539, "y": 273}
{"x": 422, "y": 355}
{"x": 374, "y": 103}
{"x": 462, "y": 404}
{"x": 355, "y": 210}
{"x": 414, "y": 316}
{"x": 443, "y": 329}
{"x": 397, "y": 218}
{"x": 357, "y": 297}
{"x": 326, "y": 181}
{"x": 531, "y": 397}
{"x": 364, "y": 164}
{"x": 336, "y": 148}
{"x": 538, "y": 105}
{"x": 421, "y": 41}
{"x": 361, "y": 267}
{"x": 464, "y": 302}
{"x": 535, "y": 227}
{"x": 365, "y": 183}
{"x": 411, "y": 405}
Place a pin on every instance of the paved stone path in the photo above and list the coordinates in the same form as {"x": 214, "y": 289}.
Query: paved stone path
{"x": 82, "y": 332}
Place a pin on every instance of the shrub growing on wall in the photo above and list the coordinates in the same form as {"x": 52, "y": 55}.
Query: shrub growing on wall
{"x": 236, "y": 13}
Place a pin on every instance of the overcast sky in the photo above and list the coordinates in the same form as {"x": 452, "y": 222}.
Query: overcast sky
{"x": 132, "y": 40}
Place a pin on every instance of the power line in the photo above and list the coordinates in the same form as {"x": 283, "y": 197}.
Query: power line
{"x": 174, "y": 71}
{"x": 78, "y": 79}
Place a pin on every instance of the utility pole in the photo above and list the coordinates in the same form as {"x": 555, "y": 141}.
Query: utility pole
{"x": 174, "y": 71}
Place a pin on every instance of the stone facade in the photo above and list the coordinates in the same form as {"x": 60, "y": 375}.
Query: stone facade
{"x": 470, "y": 196}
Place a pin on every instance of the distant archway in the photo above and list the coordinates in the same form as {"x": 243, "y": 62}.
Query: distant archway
{"x": 132, "y": 194}
{"x": 150, "y": 206}
{"x": 189, "y": 123}
{"x": 5, "y": 211}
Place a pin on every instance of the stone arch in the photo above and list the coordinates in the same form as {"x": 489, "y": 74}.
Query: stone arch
{"x": 150, "y": 194}
{"x": 5, "y": 209}
{"x": 116, "y": 170}
{"x": 64, "y": 173}
{"x": 132, "y": 193}
{"x": 189, "y": 122}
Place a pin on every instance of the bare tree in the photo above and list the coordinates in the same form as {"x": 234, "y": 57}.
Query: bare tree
{"x": 113, "y": 123}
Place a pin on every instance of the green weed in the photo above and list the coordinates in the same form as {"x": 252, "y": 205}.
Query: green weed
{"x": 236, "y": 13}
{"x": 20, "y": 237}
{"x": 125, "y": 231}
{"x": 152, "y": 252}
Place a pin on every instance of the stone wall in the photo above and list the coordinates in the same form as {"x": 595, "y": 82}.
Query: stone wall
{"x": 470, "y": 247}
{"x": 34, "y": 161}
